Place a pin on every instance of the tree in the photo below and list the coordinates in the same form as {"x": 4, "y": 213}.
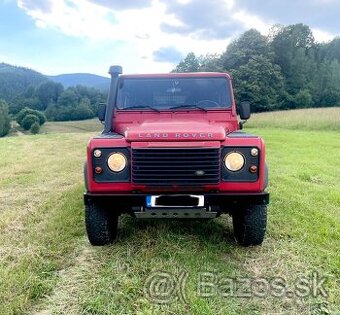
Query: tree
{"x": 5, "y": 121}
{"x": 49, "y": 91}
{"x": 28, "y": 121}
{"x": 16, "y": 105}
{"x": 95, "y": 96}
{"x": 51, "y": 111}
{"x": 293, "y": 47}
{"x": 189, "y": 64}
{"x": 35, "y": 128}
{"x": 260, "y": 82}
{"x": 83, "y": 110}
{"x": 33, "y": 103}
{"x": 303, "y": 99}
{"x": 67, "y": 98}
{"x": 250, "y": 44}
{"x": 210, "y": 63}
{"x": 75, "y": 103}
{"x": 28, "y": 111}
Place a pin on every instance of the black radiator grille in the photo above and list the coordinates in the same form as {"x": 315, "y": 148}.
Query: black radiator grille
{"x": 174, "y": 166}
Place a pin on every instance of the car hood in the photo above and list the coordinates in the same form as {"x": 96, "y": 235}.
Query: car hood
{"x": 174, "y": 130}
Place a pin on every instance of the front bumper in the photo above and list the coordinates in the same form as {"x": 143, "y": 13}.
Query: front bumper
{"x": 221, "y": 202}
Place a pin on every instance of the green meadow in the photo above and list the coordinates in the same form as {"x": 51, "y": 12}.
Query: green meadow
{"x": 47, "y": 265}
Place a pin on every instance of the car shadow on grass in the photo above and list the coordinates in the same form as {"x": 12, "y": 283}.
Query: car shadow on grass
{"x": 216, "y": 232}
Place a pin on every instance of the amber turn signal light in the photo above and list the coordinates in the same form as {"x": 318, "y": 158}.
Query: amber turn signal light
{"x": 98, "y": 170}
{"x": 253, "y": 169}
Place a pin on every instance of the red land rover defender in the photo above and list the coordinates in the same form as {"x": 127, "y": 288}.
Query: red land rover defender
{"x": 172, "y": 148}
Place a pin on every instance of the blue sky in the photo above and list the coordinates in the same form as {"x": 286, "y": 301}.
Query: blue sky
{"x": 67, "y": 36}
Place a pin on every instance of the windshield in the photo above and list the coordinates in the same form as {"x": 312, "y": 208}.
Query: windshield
{"x": 174, "y": 93}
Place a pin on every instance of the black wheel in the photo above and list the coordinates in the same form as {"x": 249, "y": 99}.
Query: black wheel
{"x": 250, "y": 224}
{"x": 101, "y": 225}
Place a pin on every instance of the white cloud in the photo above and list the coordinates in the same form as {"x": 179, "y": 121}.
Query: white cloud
{"x": 253, "y": 21}
{"x": 322, "y": 36}
{"x": 78, "y": 19}
{"x": 135, "y": 34}
{"x": 137, "y": 30}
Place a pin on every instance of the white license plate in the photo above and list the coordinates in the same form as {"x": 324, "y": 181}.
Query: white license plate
{"x": 173, "y": 201}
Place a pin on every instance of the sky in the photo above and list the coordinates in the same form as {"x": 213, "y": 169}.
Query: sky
{"x": 143, "y": 36}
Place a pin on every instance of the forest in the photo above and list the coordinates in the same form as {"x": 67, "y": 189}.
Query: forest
{"x": 51, "y": 100}
{"x": 287, "y": 69}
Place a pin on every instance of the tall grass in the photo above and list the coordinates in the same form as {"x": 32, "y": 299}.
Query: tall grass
{"x": 304, "y": 119}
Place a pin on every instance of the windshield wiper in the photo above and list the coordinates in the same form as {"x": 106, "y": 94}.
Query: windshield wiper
{"x": 189, "y": 106}
{"x": 141, "y": 107}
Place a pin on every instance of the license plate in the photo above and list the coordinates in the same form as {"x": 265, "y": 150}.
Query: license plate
{"x": 173, "y": 201}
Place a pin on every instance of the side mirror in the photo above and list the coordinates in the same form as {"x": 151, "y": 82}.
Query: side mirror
{"x": 101, "y": 111}
{"x": 244, "y": 110}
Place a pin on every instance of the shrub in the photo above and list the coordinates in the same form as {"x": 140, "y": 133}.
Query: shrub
{"x": 5, "y": 121}
{"x": 35, "y": 128}
{"x": 28, "y": 121}
{"x": 28, "y": 111}
{"x": 303, "y": 99}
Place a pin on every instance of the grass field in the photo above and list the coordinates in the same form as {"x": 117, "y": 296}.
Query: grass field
{"x": 48, "y": 267}
{"x": 299, "y": 119}
{"x": 91, "y": 125}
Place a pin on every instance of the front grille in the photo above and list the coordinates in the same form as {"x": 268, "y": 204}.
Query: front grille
{"x": 174, "y": 166}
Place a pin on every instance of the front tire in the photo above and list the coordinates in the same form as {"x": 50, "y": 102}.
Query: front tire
{"x": 250, "y": 224}
{"x": 101, "y": 225}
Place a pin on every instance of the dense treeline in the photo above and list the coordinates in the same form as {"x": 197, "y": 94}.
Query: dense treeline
{"x": 21, "y": 88}
{"x": 49, "y": 99}
{"x": 26, "y": 91}
{"x": 73, "y": 103}
{"x": 284, "y": 70}
{"x": 5, "y": 121}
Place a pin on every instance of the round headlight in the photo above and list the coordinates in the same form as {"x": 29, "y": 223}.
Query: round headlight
{"x": 234, "y": 161}
{"x": 116, "y": 162}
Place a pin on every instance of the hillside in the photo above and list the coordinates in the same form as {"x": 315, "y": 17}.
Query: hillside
{"x": 86, "y": 79}
{"x": 15, "y": 80}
